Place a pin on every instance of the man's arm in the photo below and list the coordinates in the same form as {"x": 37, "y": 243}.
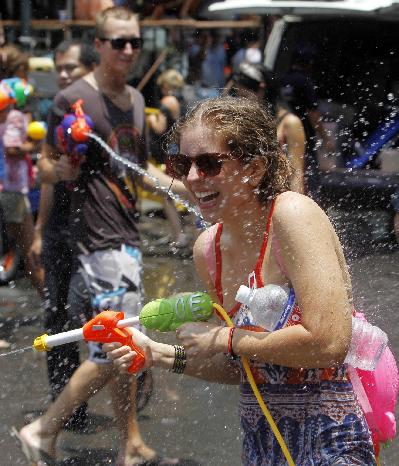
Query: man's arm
{"x": 46, "y": 203}
{"x": 165, "y": 181}
{"x": 47, "y": 164}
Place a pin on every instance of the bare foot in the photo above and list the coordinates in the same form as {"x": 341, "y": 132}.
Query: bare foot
{"x": 4, "y": 344}
{"x": 38, "y": 442}
{"x": 135, "y": 455}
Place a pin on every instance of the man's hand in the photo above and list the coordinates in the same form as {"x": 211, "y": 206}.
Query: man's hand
{"x": 64, "y": 169}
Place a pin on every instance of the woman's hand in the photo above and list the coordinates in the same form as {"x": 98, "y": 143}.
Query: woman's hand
{"x": 123, "y": 356}
{"x": 203, "y": 339}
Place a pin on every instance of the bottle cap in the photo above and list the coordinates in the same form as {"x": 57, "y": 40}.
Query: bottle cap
{"x": 243, "y": 295}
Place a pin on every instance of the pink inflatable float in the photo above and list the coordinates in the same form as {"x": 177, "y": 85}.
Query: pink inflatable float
{"x": 377, "y": 392}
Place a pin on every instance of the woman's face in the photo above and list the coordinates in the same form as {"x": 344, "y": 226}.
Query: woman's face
{"x": 221, "y": 197}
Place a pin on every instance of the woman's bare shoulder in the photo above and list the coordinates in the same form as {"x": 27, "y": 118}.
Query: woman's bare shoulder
{"x": 294, "y": 210}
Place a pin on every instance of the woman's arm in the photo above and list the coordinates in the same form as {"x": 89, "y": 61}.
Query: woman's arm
{"x": 296, "y": 144}
{"x": 218, "y": 368}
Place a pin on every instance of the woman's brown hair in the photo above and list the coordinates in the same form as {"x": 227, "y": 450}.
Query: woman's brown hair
{"x": 249, "y": 131}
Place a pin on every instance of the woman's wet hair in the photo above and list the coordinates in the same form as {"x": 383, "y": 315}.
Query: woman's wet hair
{"x": 248, "y": 130}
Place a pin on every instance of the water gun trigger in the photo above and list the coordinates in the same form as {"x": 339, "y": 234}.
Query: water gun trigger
{"x": 103, "y": 329}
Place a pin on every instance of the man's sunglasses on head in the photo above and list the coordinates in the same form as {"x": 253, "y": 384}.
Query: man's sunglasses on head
{"x": 119, "y": 43}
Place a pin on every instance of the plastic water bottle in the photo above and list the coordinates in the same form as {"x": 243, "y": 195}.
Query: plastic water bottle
{"x": 270, "y": 305}
{"x": 367, "y": 345}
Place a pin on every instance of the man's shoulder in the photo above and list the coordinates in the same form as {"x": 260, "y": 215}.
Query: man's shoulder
{"x": 136, "y": 94}
{"x": 75, "y": 91}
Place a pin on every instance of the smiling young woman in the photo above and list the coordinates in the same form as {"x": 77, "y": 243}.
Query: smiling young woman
{"x": 265, "y": 234}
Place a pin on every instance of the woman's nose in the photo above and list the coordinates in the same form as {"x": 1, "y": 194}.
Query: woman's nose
{"x": 193, "y": 172}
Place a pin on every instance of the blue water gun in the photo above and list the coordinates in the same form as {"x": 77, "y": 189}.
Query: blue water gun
{"x": 385, "y": 132}
{"x": 14, "y": 91}
{"x": 71, "y": 134}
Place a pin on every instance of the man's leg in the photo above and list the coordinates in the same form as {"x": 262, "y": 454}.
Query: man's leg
{"x": 133, "y": 449}
{"x": 84, "y": 383}
{"x": 62, "y": 361}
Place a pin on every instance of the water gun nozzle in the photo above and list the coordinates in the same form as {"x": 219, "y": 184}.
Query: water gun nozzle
{"x": 40, "y": 343}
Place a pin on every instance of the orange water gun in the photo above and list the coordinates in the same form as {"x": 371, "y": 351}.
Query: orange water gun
{"x": 106, "y": 327}
{"x": 72, "y": 133}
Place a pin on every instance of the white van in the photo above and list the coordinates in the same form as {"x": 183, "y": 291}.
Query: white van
{"x": 356, "y": 74}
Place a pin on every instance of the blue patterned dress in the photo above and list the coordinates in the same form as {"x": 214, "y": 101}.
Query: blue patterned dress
{"x": 315, "y": 410}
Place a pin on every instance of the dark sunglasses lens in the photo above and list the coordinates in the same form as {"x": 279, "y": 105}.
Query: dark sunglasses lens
{"x": 178, "y": 165}
{"x": 136, "y": 42}
{"x": 120, "y": 43}
{"x": 209, "y": 165}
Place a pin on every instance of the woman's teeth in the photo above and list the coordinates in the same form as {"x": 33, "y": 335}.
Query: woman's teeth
{"x": 205, "y": 195}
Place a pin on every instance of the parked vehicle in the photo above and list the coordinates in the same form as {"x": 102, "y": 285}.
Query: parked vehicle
{"x": 356, "y": 75}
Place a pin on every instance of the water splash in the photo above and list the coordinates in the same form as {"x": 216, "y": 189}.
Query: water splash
{"x": 21, "y": 350}
{"x": 135, "y": 167}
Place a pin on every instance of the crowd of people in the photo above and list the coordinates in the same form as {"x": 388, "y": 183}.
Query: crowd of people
{"x": 242, "y": 148}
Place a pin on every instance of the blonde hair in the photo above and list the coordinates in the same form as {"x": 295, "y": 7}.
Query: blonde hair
{"x": 172, "y": 78}
{"x": 115, "y": 12}
{"x": 249, "y": 131}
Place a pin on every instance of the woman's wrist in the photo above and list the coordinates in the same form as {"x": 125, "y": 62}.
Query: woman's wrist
{"x": 163, "y": 355}
{"x": 223, "y": 340}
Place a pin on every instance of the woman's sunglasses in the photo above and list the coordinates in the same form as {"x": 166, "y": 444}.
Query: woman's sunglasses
{"x": 119, "y": 43}
{"x": 208, "y": 164}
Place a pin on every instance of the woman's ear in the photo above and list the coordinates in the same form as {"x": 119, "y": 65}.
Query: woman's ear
{"x": 254, "y": 171}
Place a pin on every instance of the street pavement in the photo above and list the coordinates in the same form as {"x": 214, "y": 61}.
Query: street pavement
{"x": 185, "y": 418}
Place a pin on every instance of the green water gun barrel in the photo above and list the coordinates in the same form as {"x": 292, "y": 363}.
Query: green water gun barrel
{"x": 167, "y": 314}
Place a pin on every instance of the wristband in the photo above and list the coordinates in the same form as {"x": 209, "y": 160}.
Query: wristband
{"x": 179, "y": 364}
{"x": 230, "y": 342}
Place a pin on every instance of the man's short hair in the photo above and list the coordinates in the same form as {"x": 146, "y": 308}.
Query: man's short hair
{"x": 116, "y": 12}
{"x": 88, "y": 56}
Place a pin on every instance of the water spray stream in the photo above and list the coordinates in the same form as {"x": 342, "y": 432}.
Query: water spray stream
{"x": 21, "y": 350}
{"x": 133, "y": 166}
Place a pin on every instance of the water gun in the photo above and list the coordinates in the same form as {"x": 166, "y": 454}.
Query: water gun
{"x": 163, "y": 315}
{"x": 14, "y": 91}
{"x": 71, "y": 134}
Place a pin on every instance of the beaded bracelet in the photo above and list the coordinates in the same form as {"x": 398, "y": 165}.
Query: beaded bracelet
{"x": 179, "y": 364}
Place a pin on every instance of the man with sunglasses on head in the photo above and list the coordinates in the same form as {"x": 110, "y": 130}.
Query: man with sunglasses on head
{"x": 103, "y": 228}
